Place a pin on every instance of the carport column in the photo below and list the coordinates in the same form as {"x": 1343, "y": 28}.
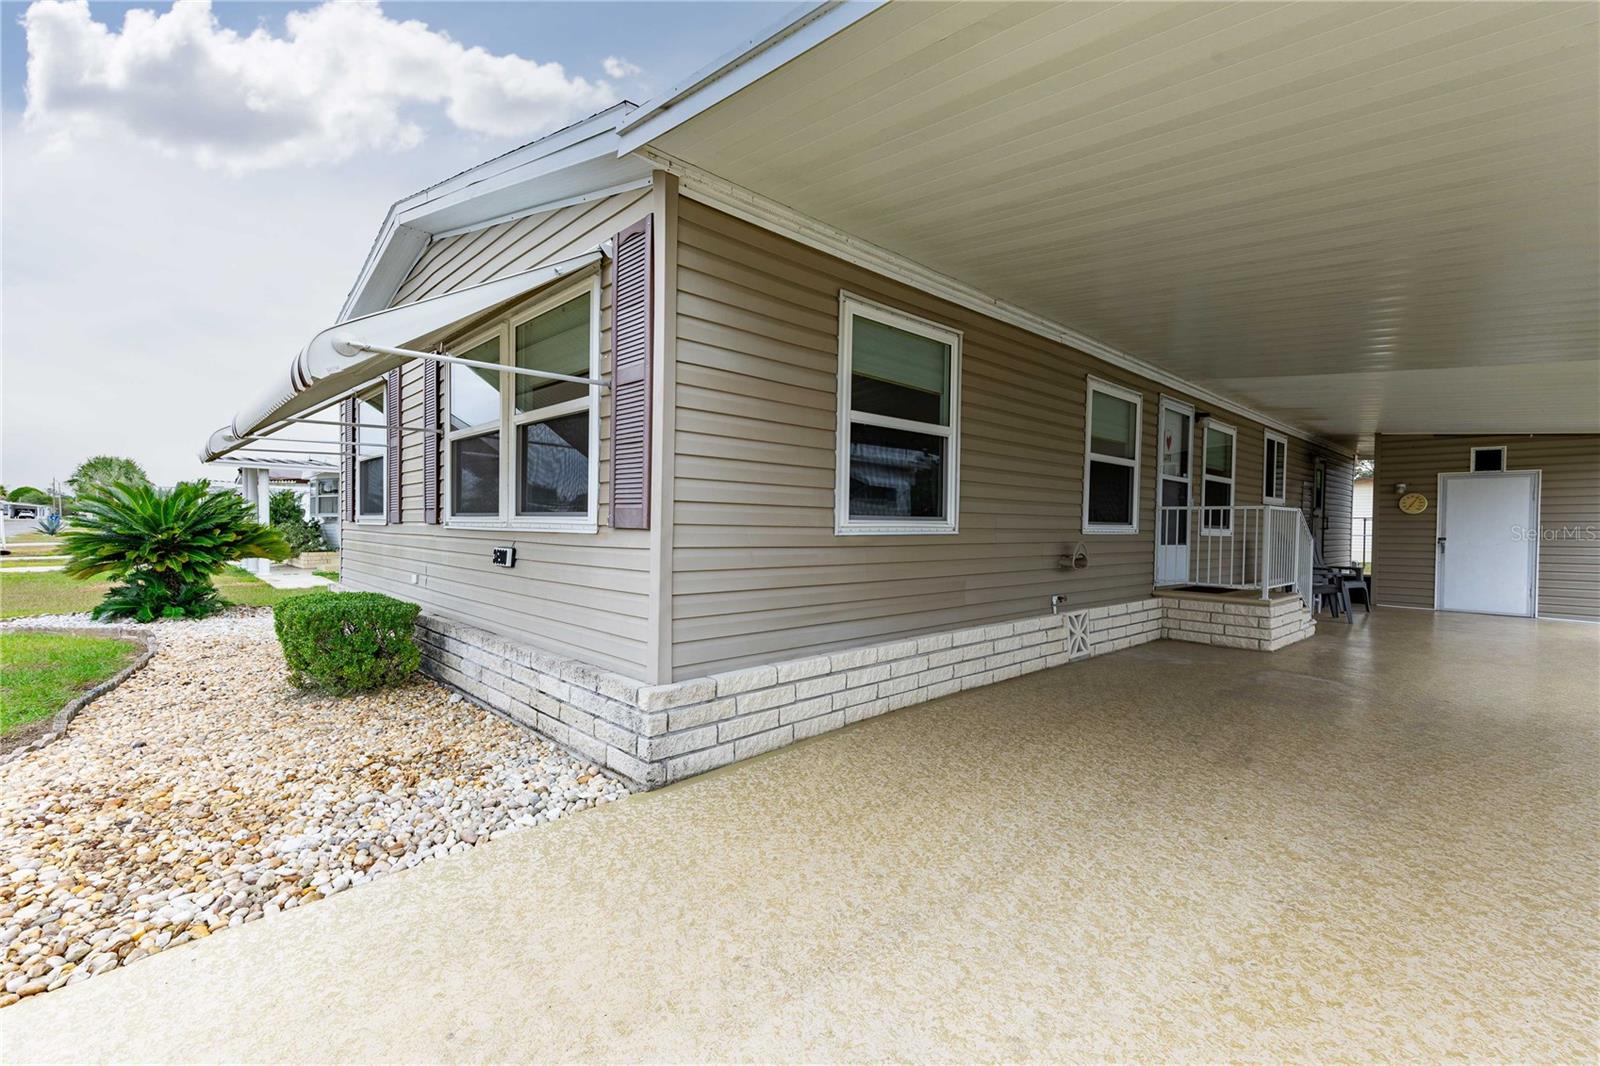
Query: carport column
{"x": 257, "y": 491}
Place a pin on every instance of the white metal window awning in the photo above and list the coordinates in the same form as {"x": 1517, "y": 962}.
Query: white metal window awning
{"x": 349, "y": 355}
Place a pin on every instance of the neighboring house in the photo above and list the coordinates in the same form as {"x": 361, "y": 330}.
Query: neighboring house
{"x": 18, "y": 509}
{"x": 1361, "y": 520}
{"x": 707, "y": 425}
{"x": 315, "y": 485}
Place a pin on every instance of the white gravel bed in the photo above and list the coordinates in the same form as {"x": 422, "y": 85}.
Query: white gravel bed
{"x": 205, "y": 792}
{"x": 83, "y": 621}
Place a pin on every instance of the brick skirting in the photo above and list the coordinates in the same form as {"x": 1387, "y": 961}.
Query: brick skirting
{"x": 656, "y": 734}
{"x": 1234, "y": 621}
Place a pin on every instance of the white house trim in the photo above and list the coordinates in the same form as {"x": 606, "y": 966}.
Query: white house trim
{"x": 576, "y": 162}
{"x": 362, "y": 457}
{"x": 1136, "y": 398}
{"x": 850, "y": 306}
{"x": 1269, "y": 468}
{"x": 1505, "y": 458}
{"x": 1232, "y": 480}
{"x": 509, "y": 420}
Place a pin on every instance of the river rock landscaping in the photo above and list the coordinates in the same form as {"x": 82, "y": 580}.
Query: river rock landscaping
{"x": 205, "y": 792}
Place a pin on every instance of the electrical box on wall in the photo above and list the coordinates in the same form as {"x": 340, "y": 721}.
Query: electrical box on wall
{"x": 506, "y": 556}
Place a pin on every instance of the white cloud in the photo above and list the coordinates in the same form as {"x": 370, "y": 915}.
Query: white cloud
{"x": 617, "y": 67}
{"x": 345, "y": 78}
{"x": 146, "y": 299}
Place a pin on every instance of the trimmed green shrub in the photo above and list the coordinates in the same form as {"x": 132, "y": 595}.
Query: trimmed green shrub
{"x": 343, "y": 642}
{"x": 302, "y": 533}
{"x": 164, "y": 546}
{"x": 144, "y": 597}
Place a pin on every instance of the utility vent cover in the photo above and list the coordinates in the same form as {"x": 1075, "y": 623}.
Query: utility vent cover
{"x": 1078, "y": 635}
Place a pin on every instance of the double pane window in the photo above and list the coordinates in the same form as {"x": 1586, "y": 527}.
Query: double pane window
{"x": 899, "y": 385}
{"x": 1111, "y": 473}
{"x": 475, "y": 431}
{"x": 552, "y": 417}
{"x": 545, "y": 478}
{"x": 1276, "y": 469}
{"x": 1216, "y": 490}
{"x": 371, "y": 446}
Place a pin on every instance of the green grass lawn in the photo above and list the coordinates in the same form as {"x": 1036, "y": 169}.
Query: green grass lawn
{"x": 25, "y": 595}
{"x": 331, "y": 575}
{"x": 32, "y": 538}
{"x": 32, "y": 548}
{"x": 40, "y": 673}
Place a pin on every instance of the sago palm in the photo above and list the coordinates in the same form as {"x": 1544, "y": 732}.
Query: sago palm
{"x": 164, "y": 546}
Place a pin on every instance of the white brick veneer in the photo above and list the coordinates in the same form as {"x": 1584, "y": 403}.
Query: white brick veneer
{"x": 1232, "y": 622}
{"x": 661, "y": 733}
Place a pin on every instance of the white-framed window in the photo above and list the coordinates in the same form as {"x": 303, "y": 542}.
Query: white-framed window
{"x": 899, "y": 432}
{"x": 1216, "y": 486}
{"x": 324, "y": 501}
{"x": 1275, "y": 469}
{"x": 372, "y": 448}
{"x": 523, "y": 452}
{"x": 1112, "y": 420}
{"x": 1488, "y": 460}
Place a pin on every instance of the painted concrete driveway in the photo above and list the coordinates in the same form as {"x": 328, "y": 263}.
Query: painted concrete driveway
{"x": 1381, "y": 843}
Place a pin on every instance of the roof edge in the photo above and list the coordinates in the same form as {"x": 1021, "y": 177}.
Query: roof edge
{"x": 405, "y": 229}
{"x": 796, "y": 33}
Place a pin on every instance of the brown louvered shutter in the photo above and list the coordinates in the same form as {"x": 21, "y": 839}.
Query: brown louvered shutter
{"x": 631, "y": 323}
{"x": 391, "y": 457}
{"x": 347, "y": 458}
{"x": 431, "y": 372}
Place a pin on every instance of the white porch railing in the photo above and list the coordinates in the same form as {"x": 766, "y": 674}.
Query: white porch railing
{"x": 1261, "y": 548}
{"x": 1361, "y": 541}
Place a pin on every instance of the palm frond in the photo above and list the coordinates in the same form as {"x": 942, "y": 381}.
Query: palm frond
{"x": 165, "y": 546}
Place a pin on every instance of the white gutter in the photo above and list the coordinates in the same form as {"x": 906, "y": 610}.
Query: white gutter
{"x": 345, "y": 357}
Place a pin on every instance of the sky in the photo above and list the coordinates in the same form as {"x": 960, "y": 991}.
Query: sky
{"x": 187, "y": 191}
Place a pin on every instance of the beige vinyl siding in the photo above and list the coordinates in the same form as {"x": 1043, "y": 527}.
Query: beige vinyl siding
{"x": 1569, "y": 516}
{"x": 522, "y": 244}
{"x": 1333, "y": 529}
{"x": 758, "y": 572}
{"x": 576, "y": 594}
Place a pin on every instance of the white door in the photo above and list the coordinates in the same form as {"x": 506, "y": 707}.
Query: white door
{"x": 1172, "y": 501}
{"x": 1488, "y": 543}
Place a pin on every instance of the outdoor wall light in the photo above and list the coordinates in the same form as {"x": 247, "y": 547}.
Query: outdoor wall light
{"x": 1399, "y": 488}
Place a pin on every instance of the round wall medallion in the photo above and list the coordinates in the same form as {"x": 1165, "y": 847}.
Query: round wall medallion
{"x": 1413, "y": 503}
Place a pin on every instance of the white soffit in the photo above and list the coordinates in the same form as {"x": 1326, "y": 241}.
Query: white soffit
{"x": 1354, "y": 217}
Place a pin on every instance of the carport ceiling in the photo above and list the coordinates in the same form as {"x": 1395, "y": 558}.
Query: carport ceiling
{"x": 1356, "y": 217}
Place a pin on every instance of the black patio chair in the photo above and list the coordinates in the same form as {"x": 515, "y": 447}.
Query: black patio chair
{"x": 1329, "y": 590}
{"x": 1347, "y": 575}
{"x": 1358, "y": 582}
